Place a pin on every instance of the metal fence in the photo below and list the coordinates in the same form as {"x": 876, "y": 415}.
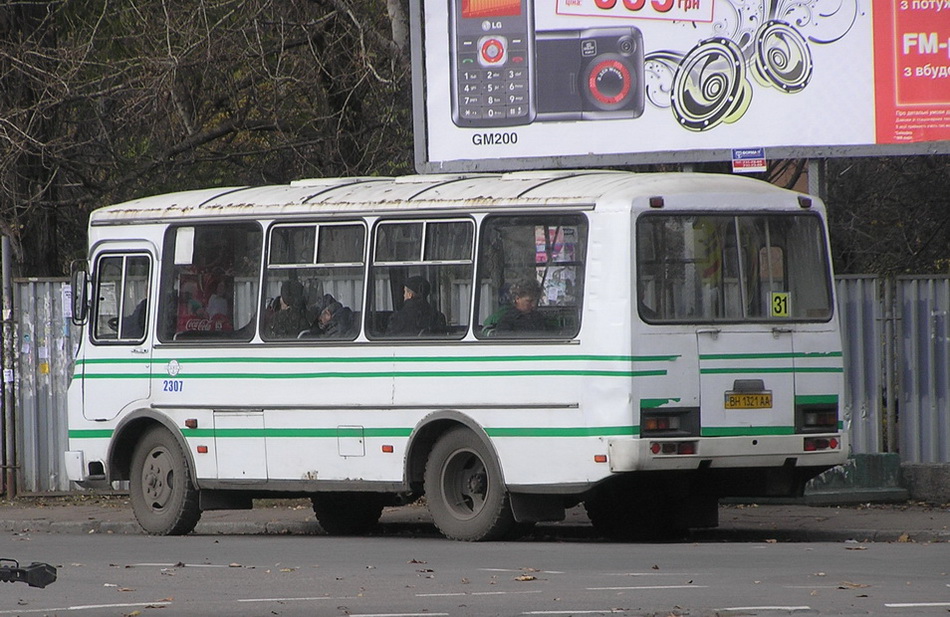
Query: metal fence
{"x": 44, "y": 344}
{"x": 896, "y": 349}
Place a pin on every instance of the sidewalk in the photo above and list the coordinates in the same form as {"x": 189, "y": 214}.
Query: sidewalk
{"x": 908, "y": 522}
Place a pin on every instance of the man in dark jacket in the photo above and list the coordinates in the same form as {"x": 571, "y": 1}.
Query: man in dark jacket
{"x": 521, "y": 315}
{"x": 334, "y": 321}
{"x": 416, "y": 317}
{"x": 289, "y": 317}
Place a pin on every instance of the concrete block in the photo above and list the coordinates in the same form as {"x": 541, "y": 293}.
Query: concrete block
{"x": 929, "y": 482}
{"x": 864, "y": 478}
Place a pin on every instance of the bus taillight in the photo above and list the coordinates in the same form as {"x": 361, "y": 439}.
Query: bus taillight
{"x": 673, "y": 447}
{"x": 813, "y": 444}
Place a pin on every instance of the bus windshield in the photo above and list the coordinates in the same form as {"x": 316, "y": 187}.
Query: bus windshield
{"x": 698, "y": 268}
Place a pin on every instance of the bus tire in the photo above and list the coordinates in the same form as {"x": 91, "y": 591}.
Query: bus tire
{"x": 163, "y": 495}
{"x": 347, "y": 514}
{"x": 464, "y": 490}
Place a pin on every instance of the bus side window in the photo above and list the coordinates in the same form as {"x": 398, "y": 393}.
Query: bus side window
{"x": 531, "y": 273}
{"x": 421, "y": 281}
{"x": 122, "y": 298}
{"x": 209, "y": 282}
{"x": 324, "y": 263}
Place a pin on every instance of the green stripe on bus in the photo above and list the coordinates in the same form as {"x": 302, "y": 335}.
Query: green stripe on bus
{"x": 816, "y": 399}
{"x": 93, "y": 433}
{"x": 379, "y": 359}
{"x": 771, "y": 369}
{"x": 600, "y": 431}
{"x": 765, "y": 356}
{"x": 385, "y": 374}
{"x": 395, "y": 432}
{"x": 273, "y": 433}
{"x": 653, "y": 403}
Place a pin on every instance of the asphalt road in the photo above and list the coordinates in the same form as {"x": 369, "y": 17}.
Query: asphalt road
{"x": 116, "y": 575}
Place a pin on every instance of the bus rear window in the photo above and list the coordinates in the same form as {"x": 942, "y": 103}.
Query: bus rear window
{"x": 704, "y": 268}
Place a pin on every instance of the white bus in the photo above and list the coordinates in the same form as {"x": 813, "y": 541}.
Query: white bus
{"x": 642, "y": 343}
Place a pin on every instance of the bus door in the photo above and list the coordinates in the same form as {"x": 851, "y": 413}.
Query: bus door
{"x": 116, "y": 361}
{"x": 746, "y": 380}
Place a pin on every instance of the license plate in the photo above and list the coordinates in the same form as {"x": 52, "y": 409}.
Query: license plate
{"x": 748, "y": 400}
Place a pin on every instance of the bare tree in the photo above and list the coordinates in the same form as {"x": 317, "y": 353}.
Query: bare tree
{"x": 104, "y": 100}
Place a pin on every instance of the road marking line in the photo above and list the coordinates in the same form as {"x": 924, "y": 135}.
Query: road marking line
{"x": 765, "y": 608}
{"x": 519, "y": 571}
{"x": 473, "y": 593}
{"x": 399, "y": 615}
{"x": 288, "y": 599}
{"x": 84, "y": 607}
{"x": 649, "y": 574}
{"x": 179, "y": 565}
{"x": 917, "y": 604}
{"x": 648, "y": 587}
{"x": 606, "y": 610}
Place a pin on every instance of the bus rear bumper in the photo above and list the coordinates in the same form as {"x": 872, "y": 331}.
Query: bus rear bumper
{"x": 77, "y": 471}
{"x": 668, "y": 454}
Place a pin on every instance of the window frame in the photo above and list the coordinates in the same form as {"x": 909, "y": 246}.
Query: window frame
{"x": 313, "y": 265}
{"x": 580, "y": 262}
{"x": 167, "y": 274}
{"x": 647, "y": 315}
{"x": 419, "y": 263}
{"x": 120, "y": 298}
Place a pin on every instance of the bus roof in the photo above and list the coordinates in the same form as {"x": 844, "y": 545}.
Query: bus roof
{"x": 426, "y": 192}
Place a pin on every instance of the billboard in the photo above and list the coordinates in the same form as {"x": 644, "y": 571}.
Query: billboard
{"x": 511, "y": 84}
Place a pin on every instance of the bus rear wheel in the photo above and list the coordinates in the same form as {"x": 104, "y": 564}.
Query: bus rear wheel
{"x": 464, "y": 490}
{"x": 348, "y": 514}
{"x": 163, "y": 495}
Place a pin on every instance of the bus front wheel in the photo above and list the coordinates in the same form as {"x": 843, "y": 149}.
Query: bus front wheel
{"x": 163, "y": 495}
{"x": 464, "y": 490}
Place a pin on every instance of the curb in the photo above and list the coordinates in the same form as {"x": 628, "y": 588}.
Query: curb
{"x": 853, "y": 536}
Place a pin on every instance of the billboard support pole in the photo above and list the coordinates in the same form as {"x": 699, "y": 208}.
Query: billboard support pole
{"x": 817, "y": 184}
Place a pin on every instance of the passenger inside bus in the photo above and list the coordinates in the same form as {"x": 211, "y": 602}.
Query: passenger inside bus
{"x": 333, "y": 320}
{"x": 416, "y": 317}
{"x": 521, "y": 315}
{"x": 288, "y": 315}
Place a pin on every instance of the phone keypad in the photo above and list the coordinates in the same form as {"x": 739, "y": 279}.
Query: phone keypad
{"x": 493, "y": 79}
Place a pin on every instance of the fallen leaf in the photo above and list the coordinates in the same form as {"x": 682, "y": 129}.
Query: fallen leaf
{"x": 855, "y": 548}
{"x": 526, "y": 577}
{"x": 415, "y": 561}
{"x": 850, "y": 585}
{"x": 904, "y": 538}
{"x": 125, "y": 589}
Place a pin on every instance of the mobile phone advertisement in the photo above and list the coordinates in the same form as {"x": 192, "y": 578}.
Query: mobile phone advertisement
{"x": 511, "y": 81}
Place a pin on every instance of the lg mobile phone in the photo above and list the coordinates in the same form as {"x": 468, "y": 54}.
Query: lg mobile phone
{"x": 492, "y": 62}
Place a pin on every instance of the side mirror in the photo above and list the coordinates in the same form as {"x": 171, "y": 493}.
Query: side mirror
{"x": 79, "y": 284}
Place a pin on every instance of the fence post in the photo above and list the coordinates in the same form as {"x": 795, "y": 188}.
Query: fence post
{"x": 9, "y": 423}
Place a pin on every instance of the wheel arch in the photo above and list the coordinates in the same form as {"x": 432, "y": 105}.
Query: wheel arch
{"x": 128, "y": 433}
{"x": 428, "y": 431}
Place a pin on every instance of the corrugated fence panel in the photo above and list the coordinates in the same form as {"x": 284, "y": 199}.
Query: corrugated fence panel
{"x": 859, "y": 311}
{"x": 45, "y": 352}
{"x": 924, "y": 416}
